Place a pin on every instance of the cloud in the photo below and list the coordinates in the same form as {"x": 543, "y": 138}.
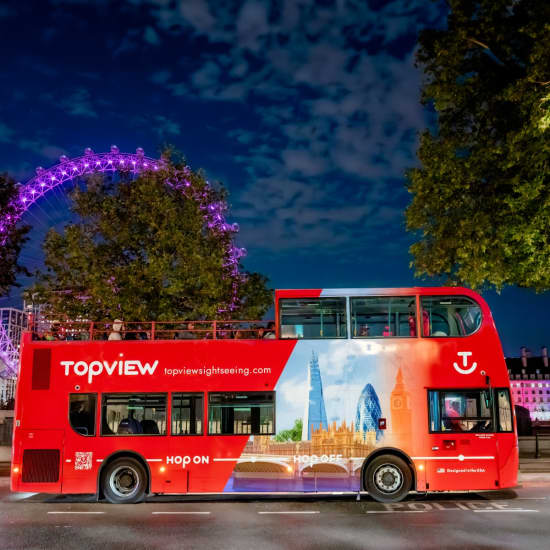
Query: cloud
{"x": 41, "y": 147}
{"x": 164, "y": 126}
{"x": 294, "y": 391}
{"x": 303, "y": 162}
{"x": 161, "y": 77}
{"x": 151, "y": 36}
{"x": 79, "y": 103}
{"x": 38, "y": 145}
{"x": 6, "y": 133}
{"x": 335, "y": 96}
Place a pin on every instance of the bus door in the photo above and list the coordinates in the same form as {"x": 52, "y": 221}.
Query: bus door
{"x": 41, "y": 456}
{"x": 462, "y": 440}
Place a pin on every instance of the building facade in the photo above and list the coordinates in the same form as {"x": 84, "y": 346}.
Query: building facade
{"x": 530, "y": 383}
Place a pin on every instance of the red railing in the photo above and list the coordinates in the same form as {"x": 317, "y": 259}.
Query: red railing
{"x": 55, "y": 329}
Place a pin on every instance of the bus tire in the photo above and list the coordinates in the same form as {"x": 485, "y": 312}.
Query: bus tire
{"x": 124, "y": 481}
{"x": 388, "y": 478}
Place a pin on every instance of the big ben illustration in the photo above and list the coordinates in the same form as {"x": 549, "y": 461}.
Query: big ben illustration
{"x": 401, "y": 419}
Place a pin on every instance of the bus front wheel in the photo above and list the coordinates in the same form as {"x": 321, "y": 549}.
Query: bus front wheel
{"x": 388, "y": 478}
{"x": 124, "y": 481}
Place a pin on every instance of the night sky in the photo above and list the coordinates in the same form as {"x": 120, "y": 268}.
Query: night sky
{"x": 308, "y": 112}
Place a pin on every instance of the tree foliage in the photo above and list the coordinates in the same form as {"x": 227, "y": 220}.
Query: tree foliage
{"x": 141, "y": 251}
{"x": 15, "y": 237}
{"x": 293, "y": 434}
{"x": 481, "y": 197}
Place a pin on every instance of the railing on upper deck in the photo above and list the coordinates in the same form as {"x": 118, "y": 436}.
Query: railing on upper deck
{"x": 53, "y": 329}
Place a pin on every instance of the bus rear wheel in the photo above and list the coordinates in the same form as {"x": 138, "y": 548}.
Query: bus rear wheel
{"x": 124, "y": 481}
{"x": 388, "y": 478}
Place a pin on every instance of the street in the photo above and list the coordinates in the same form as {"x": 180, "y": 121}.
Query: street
{"x": 506, "y": 519}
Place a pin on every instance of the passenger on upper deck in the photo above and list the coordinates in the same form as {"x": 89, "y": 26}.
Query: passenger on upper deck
{"x": 269, "y": 333}
{"x": 188, "y": 334}
{"x": 115, "y": 334}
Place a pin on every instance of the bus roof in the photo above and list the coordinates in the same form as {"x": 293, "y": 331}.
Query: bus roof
{"x": 402, "y": 291}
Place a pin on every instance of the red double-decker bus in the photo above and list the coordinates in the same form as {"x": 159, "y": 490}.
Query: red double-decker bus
{"x": 379, "y": 390}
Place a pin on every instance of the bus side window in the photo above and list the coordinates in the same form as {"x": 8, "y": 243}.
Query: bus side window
{"x": 313, "y": 318}
{"x": 134, "y": 414}
{"x": 241, "y": 413}
{"x": 504, "y": 411}
{"x": 187, "y": 413}
{"x": 82, "y": 412}
{"x": 383, "y": 317}
{"x": 449, "y": 316}
{"x": 460, "y": 411}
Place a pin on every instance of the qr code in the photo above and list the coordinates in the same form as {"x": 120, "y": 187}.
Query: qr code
{"x": 83, "y": 461}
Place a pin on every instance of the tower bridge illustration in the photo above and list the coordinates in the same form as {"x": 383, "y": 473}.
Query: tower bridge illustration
{"x": 329, "y": 456}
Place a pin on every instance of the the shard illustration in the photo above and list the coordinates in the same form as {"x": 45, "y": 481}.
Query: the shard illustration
{"x": 315, "y": 414}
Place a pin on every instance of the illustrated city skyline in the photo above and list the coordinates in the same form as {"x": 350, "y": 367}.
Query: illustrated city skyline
{"x": 367, "y": 414}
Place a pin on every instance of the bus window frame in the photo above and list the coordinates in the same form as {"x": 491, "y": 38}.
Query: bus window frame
{"x": 280, "y": 318}
{"x": 497, "y": 409}
{"x": 495, "y": 416}
{"x": 95, "y": 434}
{"x": 207, "y": 431}
{"x": 416, "y": 314}
{"x": 421, "y": 309}
{"x": 103, "y": 396}
{"x": 194, "y": 393}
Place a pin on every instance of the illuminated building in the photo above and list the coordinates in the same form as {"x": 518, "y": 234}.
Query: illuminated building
{"x": 530, "y": 383}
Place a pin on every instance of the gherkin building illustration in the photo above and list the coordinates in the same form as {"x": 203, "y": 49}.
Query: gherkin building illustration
{"x": 368, "y": 412}
{"x": 315, "y": 413}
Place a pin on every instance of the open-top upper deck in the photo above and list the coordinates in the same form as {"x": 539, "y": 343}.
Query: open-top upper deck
{"x": 303, "y": 313}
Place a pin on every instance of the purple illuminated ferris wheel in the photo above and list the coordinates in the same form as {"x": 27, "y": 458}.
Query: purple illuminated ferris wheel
{"x": 134, "y": 163}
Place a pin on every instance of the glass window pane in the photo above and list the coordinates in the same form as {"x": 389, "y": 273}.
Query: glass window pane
{"x": 82, "y": 412}
{"x": 250, "y": 413}
{"x": 134, "y": 414}
{"x": 383, "y": 316}
{"x": 449, "y": 316}
{"x": 460, "y": 411}
{"x": 187, "y": 412}
{"x": 504, "y": 411}
{"x": 435, "y": 416}
{"x": 313, "y": 318}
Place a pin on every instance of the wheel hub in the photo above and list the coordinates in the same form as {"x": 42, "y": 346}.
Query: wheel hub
{"x": 388, "y": 478}
{"x": 124, "y": 481}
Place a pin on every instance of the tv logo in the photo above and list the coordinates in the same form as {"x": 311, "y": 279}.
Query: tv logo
{"x": 465, "y": 369}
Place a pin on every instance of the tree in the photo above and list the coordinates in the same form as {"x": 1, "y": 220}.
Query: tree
{"x": 481, "y": 197}
{"x": 14, "y": 237}
{"x": 294, "y": 434}
{"x": 143, "y": 250}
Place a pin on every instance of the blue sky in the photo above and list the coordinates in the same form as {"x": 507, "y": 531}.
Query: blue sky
{"x": 307, "y": 111}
